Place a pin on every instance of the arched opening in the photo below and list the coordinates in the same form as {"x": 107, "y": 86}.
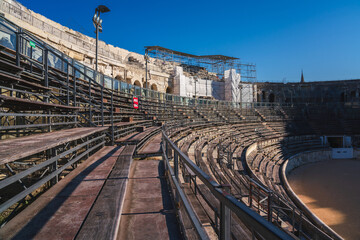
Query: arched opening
{"x": 353, "y": 95}
{"x": 271, "y": 97}
{"x": 258, "y": 97}
{"x": 263, "y": 93}
{"x": 342, "y": 97}
{"x": 119, "y": 77}
{"x": 154, "y": 87}
{"x": 168, "y": 90}
{"x": 137, "y": 83}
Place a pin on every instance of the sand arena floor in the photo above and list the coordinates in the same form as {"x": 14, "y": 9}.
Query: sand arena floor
{"x": 331, "y": 189}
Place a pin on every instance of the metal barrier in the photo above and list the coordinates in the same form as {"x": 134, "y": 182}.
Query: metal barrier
{"x": 181, "y": 197}
{"x": 228, "y": 203}
{"x": 50, "y": 169}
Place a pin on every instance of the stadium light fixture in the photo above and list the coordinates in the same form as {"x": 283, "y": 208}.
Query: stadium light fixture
{"x": 98, "y": 25}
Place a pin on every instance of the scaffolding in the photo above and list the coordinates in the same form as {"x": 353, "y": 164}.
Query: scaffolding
{"x": 211, "y": 63}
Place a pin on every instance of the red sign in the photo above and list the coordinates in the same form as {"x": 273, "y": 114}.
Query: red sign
{"x": 135, "y": 102}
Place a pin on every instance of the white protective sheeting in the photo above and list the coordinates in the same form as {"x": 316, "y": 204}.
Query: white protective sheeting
{"x": 235, "y": 90}
{"x": 246, "y": 92}
{"x": 232, "y": 84}
{"x": 190, "y": 86}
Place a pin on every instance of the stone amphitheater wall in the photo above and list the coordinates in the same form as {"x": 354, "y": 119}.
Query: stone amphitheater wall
{"x": 113, "y": 61}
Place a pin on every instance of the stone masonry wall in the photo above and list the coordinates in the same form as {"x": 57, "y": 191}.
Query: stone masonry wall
{"x": 113, "y": 61}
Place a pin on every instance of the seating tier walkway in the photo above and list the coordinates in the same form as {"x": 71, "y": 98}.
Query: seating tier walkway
{"x": 60, "y": 212}
{"x": 148, "y": 211}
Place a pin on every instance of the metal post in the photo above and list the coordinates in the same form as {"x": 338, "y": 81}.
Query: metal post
{"x": 90, "y": 112}
{"x": 97, "y": 43}
{"x": 46, "y": 68}
{"x": 67, "y": 85}
{"x": 269, "y": 207}
{"x": 18, "y": 46}
{"x": 74, "y": 84}
{"x": 56, "y": 180}
{"x": 225, "y": 218}
{"x": 250, "y": 195}
{"x": 97, "y": 22}
{"x": 49, "y": 120}
{"x": 87, "y": 146}
{"x": 112, "y": 118}
{"x": 176, "y": 165}
{"x": 62, "y": 62}
{"x": 46, "y": 80}
{"x": 195, "y": 185}
{"x": 31, "y": 57}
{"x": 102, "y": 105}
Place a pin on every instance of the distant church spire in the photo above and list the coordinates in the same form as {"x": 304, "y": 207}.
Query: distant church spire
{"x": 302, "y": 77}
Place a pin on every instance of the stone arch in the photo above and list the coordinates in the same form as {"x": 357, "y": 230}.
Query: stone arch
{"x": 146, "y": 85}
{"x": 128, "y": 80}
{"x": 353, "y": 95}
{"x": 342, "y": 97}
{"x": 137, "y": 83}
{"x": 119, "y": 77}
{"x": 271, "y": 97}
{"x": 154, "y": 87}
{"x": 135, "y": 56}
{"x": 263, "y": 96}
{"x": 169, "y": 90}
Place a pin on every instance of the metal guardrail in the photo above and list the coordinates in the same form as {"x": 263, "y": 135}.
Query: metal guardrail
{"x": 31, "y": 120}
{"x": 281, "y": 206}
{"x": 180, "y": 196}
{"x": 89, "y": 145}
{"x": 228, "y": 203}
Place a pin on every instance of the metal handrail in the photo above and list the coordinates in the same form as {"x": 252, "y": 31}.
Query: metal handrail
{"x": 248, "y": 216}
{"x": 180, "y": 193}
{"x": 6, "y": 182}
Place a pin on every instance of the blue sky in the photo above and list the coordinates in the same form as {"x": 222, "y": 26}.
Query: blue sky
{"x": 281, "y": 37}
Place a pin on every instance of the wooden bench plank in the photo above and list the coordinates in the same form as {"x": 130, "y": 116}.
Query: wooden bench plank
{"x": 66, "y": 205}
{"x": 10, "y": 67}
{"x": 29, "y": 145}
{"x": 18, "y": 81}
{"x": 25, "y": 104}
{"x": 152, "y": 146}
{"x": 141, "y": 135}
{"x": 104, "y": 218}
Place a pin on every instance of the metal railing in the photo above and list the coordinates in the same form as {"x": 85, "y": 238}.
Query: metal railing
{"x": 57, "y": 159}
{"x": 281, "y": 207}
{"x": 228, "y": 203}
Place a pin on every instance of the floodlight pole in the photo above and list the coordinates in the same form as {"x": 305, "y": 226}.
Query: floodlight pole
{"x": 97, "y": 46}
{"x": 97, "y": 22}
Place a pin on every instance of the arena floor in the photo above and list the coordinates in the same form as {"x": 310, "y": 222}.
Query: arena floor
{"x": 331, "y": 190}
